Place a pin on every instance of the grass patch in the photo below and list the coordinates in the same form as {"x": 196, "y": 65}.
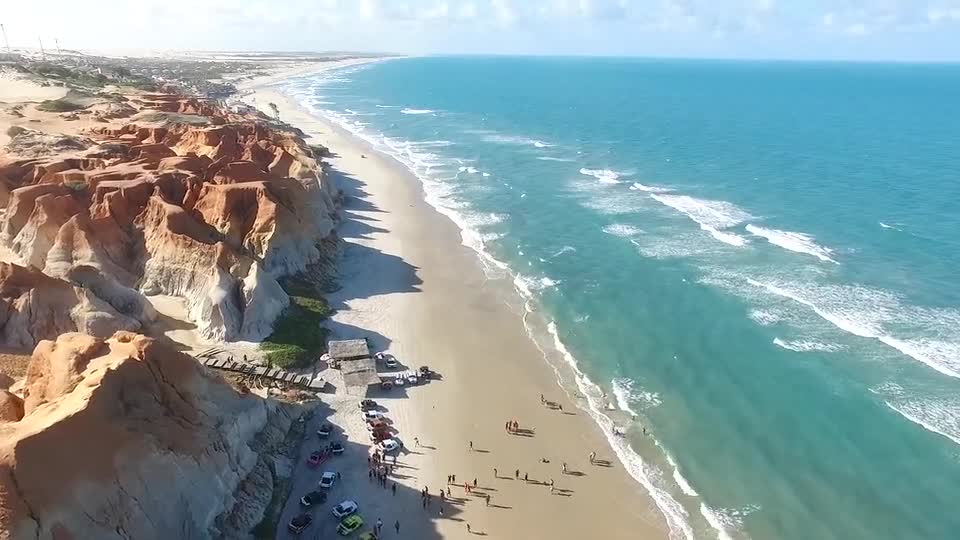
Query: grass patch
{"x": 297, "y": 337}
{"x": 58, "y": 105}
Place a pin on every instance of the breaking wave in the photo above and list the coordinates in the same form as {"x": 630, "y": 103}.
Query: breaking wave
{"x": 793, "y": 241}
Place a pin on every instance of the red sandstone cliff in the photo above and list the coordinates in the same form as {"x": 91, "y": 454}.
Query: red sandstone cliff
{"x": 214, "y": 213}
{"x": 128, "y": 438}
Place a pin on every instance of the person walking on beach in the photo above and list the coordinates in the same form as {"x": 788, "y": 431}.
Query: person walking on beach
{"x": 516, "y": 474}
{"x": 471, "y": 446}
{"x": 593, "y": 455}
{"x": 526, "y": 477}
{"x": 416, "y": 442}
{"x": 448, "y": 491}
{"x": 495, "y": 475}
{"x": 468, "y": 527}
{"x": 488, "y": 499}
{"x": 394, "y": 489}
{"x": 542, "y": 399}
{"x": 396, "y": 526}
{"x": 379, "y": 526}
{"x": 474, "y": 482}
{"x": 441, "y": 510}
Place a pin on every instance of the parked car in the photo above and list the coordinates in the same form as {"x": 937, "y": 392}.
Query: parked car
{"x": 299, "y": 523}
{"x": 386, "y": 384}
{"x": 412, "y": 378}
{"x": 345, "y": 508}
{"x": 426, "y": 373}
{"x": 367, "y": 405}
{"x": 313, "y": 498}
{"x": 399, "y": 380}
{"x": 327, "y": 480}
{"x": 324, "y": 430}
{"x": 336, "y": 448}
{"x": 389, "y": 445}
{"x": 371, "y": 416}
{"x": 349, "y": 525}
{"x": 389, "y": 361}
{"x": 315, "y": 458}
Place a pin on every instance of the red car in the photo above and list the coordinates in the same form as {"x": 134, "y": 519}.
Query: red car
{"x": 315, "y": 459}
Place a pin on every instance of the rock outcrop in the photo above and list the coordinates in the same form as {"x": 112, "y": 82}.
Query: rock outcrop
{"x": 214, "y": 213}
{"x": 127, "y": 438}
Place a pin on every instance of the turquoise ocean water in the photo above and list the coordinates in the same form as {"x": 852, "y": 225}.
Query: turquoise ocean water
{"x": 756, "y": 262}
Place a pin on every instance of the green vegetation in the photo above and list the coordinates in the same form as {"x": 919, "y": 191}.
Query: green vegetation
{"x": 297, "y": 336}
{"x": 267, "y": 528}
{"x": 58, "y": 105}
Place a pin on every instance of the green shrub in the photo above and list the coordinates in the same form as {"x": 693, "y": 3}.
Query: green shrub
{"x": 58, "y": 105}
{"x": 297, "y": 337}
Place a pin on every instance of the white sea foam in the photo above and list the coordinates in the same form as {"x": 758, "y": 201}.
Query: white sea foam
{"x": 764, "y": 317}
{"x": 940, "y": 416}
{"x": 637, "y": 186}
{"x": 387, "y": 106}
{"x": 681, "y": 481}
{"x": 416, "y": 111}
{"x": 551, "y": 158}
{"x": 865, "y": 312}
{"x": 605, "y": 176}
{"x": 647, "y": 475}
{"x": 514, "y": 139}
{"x": 564, "y": 249}
{"x": 886, "y": 226}
{"x": 793, "y": 241}
{"x": 806, "y": 345}
{"x": 712, "y": 216}
{"x": 470, "y": 170}
{"x": 622, "y": 391}
{"x": 622, "y": 230}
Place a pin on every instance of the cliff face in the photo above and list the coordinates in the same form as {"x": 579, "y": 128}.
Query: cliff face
{"x": 215, "y": 214}
{"x": 127, "y": 438}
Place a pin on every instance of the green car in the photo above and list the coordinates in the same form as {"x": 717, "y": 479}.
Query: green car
{"x": 349, "y": 524}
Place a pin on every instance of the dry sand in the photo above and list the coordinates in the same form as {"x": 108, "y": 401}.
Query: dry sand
{"x": 415, "y": 291}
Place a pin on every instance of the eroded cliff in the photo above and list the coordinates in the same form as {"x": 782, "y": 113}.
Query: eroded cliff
{"x": 127, "y": 438}
{"x": 184, "y": 199}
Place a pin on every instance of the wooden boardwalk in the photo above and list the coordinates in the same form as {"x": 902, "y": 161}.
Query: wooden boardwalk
{"x": 313, "y": 382}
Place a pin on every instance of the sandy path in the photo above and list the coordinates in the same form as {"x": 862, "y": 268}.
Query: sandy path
{"x": 414, "y": 290}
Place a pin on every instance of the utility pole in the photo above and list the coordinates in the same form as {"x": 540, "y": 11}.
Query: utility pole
{"x": 42, "y": 53}
{"x": 57, "y": 43}
{"x": 5, "y": 42}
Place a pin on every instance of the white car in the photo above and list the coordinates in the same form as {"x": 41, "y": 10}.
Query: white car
{"x": 327, "y": 480}
{"x": 412, "y": 378}
{"x": 370, "y": 416}
{"x": 345, "y": 508}
{"x": 390, "y": 445}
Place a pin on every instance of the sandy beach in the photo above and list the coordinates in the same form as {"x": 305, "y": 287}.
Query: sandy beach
{"x": 411, "y": 288}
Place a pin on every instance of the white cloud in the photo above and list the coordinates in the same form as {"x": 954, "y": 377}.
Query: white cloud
{"x": 937, "y": 15}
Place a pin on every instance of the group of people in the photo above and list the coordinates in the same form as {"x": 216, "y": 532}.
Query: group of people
{"x": 512, "y": 426}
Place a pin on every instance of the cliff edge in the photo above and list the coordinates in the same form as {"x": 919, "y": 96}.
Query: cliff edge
{"x": 183, "y": 198}
{"x": 127, "y": 438}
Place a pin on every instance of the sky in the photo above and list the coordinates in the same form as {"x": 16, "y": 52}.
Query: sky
{"x": 898, "y": 30}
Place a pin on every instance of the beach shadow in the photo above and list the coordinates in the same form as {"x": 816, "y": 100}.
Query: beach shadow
{"x": 602, "y": 463}
{"x": 428, "y": 447}
{"x": 569, "y": 413}
{"x": 575, "y": 473}
{"x": 523, "y": 432}
{"x": 480, "y": 451}
{"x": 500, "y": 506}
